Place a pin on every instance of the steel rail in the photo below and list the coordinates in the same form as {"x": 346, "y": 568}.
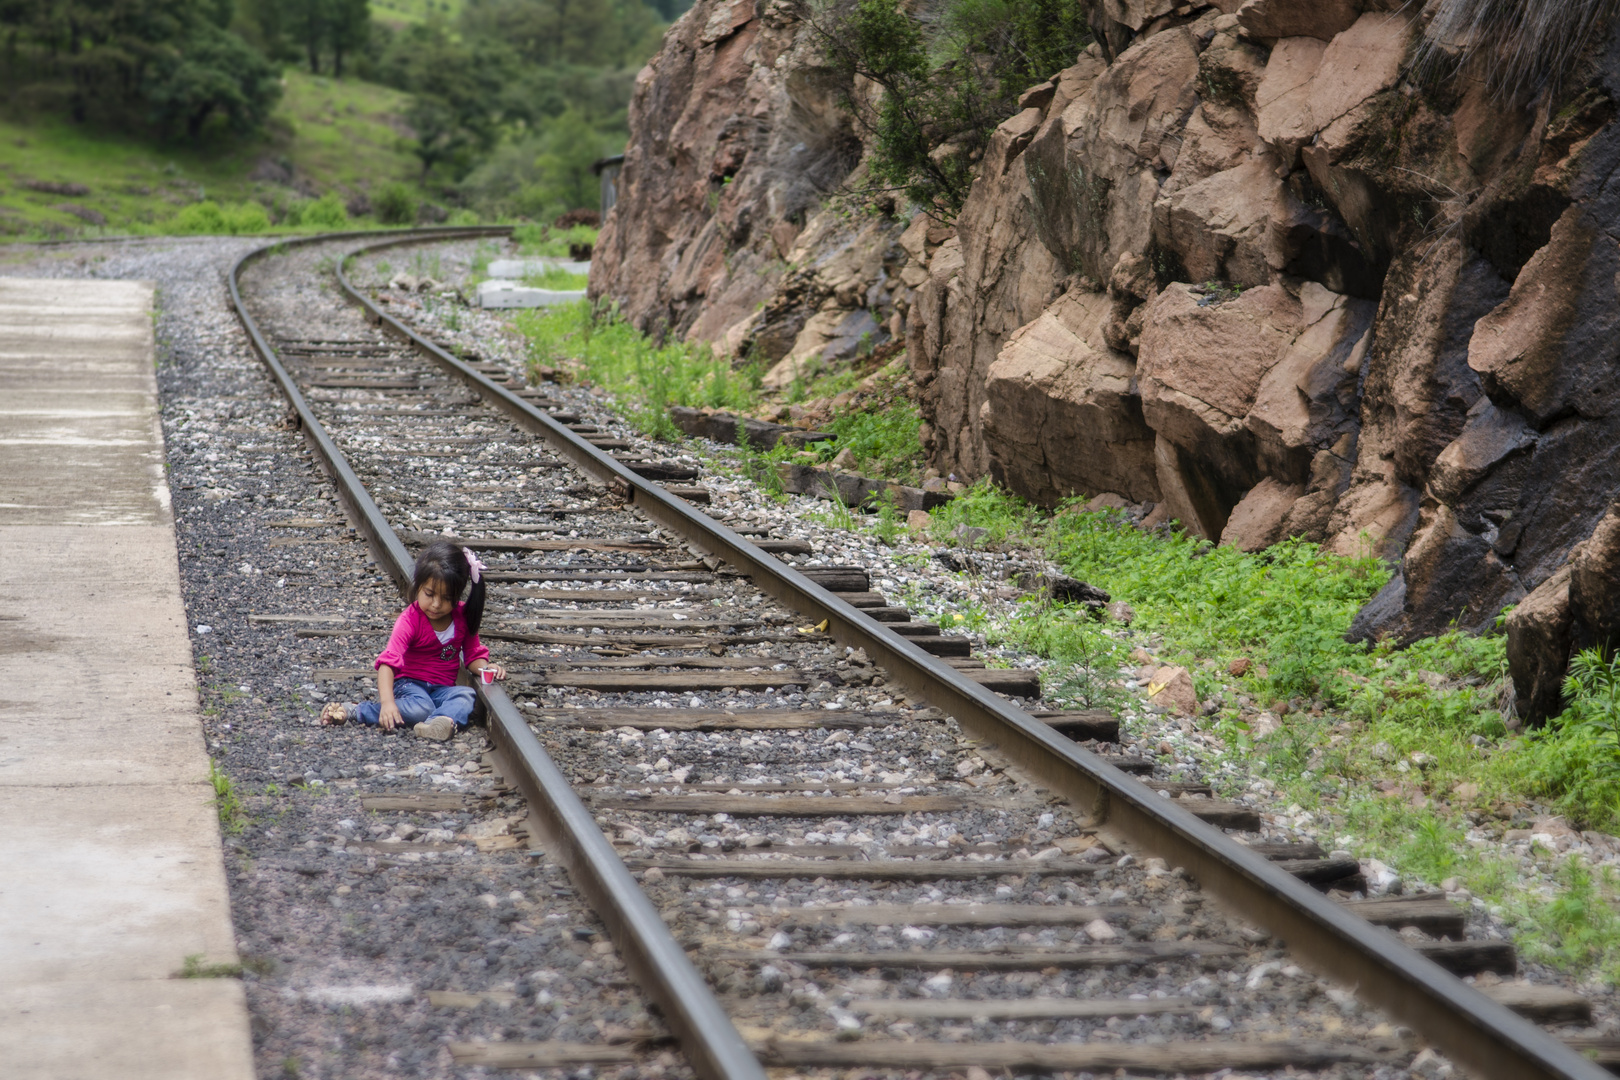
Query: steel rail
{"x": 706, "y": 1034}
{"x": 1485, "y": 1038}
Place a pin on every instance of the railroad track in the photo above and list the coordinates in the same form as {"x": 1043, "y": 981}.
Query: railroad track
{"x": 820, "y": 833}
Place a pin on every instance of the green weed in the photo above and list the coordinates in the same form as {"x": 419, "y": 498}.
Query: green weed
{"x": 1579, "y": 927}
{"x": 1087, "y": 661}
{"x": 1574, "y": 761}
{"x": 194, "y": 968}
{"x": 837, "y": 516}
{"x": 233, "y": 817}
{"x": 887, "y": 523}
{"x": 884, "y": 441}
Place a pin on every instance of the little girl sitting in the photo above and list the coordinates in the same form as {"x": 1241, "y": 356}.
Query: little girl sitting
{"x": 433, "y": 637}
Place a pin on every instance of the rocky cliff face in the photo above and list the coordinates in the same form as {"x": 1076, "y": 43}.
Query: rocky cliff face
{"x": 725, "y": 230}
{"x": 1238, "y": 261}
{"x": 1249, "y": 271}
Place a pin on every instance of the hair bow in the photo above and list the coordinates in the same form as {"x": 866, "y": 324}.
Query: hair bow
{"x": 473, "y": 565}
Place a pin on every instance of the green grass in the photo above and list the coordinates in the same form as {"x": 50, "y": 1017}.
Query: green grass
{"x": 337, "y": 135}
{"x": 555, "y": 277}
{"x": 884, "y": 441}
{"x": 547, "y": 242}
{"x": 194, "y": 968}
{"x": 645, "y": 378}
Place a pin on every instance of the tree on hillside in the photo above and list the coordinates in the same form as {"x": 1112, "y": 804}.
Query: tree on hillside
{"x": 308, "y": 24}
{"x": 169, "y": 63}
{"x": 214, "y": 72}
{"x": 593, "y": 33}
{"x": 315, "y": 30}
{"x": 348, "y": 29}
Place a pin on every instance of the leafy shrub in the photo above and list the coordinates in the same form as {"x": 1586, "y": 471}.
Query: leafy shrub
{"x": 246, "y": 217}
{"x": 1574, "y": 761}
{"x": 946, "y": 82}
{"x": 394, "y": 204}
{"x": 326, "y": 212}
{"x": 885, "y": 442}
{"x": 208, "y": 217}
{"x": 1580, "y": 927}
{"x": 547, "y": 242}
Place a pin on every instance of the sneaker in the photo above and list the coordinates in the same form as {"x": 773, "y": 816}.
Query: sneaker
{"x": 336, "y": 714}
{"x": 439, "y": 728}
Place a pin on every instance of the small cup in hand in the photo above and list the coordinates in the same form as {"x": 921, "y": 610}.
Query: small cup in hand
{"x": 487, "y": 674}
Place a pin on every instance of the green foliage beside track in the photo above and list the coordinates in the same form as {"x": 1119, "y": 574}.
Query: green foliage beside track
{"x": 646, "y": 377}
{"x": 1400, "y": 754}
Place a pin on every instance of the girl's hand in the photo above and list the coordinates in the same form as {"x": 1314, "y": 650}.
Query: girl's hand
{"x": 500, "y": 672}
{"x": 388, "y": 717}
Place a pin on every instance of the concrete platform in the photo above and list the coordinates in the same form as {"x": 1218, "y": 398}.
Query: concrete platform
{"x": 112, "y": 870}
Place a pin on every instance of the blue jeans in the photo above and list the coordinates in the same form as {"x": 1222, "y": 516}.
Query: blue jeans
{"x": 418, "y": 700}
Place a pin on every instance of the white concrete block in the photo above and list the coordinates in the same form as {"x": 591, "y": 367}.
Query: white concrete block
{"x": 505, "y": 294}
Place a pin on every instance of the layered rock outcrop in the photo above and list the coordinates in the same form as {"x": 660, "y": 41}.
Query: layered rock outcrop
{"x": 1237, "y": 261}
{"x": 724, "y": 230}
{"x": 1247, "y": 269}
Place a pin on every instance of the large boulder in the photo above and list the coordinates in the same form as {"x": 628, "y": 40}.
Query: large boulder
{"x": 1094, "y": 175}
{"x": 1298, "y": 18}
{"x": 1311, "y": 83}
{"x": 1243, "y": 388}
{"x": 1060, "y": 415}
{"x": 1538, "y": 637}
{"x": 1594, "y": 586}
{"x": 1578, "y": 607}
{"x": 1535, "y": 348}
{"x": 994, "y": 276}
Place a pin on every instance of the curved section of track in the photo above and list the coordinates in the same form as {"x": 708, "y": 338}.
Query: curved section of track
{"x": 1482, "y": 1036}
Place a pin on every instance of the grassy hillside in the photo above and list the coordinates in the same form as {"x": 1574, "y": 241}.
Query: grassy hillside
{"x": 324, "y": 136}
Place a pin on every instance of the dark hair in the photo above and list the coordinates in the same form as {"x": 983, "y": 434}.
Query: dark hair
{"x": 444, "y": 561}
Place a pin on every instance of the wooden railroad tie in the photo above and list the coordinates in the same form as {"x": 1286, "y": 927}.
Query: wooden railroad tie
{"x": 1173, "y": 1058}
{"x": 800, "y": 805}
{"x": 872, "y": 870}
{"x": 1009, "y": 958}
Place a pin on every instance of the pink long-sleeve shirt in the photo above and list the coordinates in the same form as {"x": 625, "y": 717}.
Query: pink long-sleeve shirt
{"x": 414, "y": 650}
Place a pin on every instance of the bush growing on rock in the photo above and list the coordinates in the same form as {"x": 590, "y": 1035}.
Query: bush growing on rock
{"x": 947, "y": 83}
